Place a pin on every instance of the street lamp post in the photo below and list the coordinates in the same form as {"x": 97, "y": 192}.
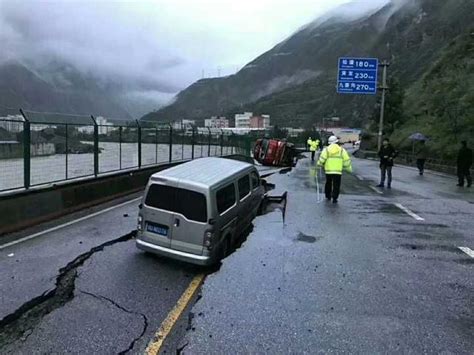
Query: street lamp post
{"x": 384, "y": 88}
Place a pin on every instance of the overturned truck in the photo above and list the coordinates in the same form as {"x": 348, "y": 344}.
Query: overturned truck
{"x": 274, "y": 152}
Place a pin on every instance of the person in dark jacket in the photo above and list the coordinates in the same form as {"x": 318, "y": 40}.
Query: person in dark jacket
{"x": 386, "y": 154}
{"x": 464, "y": 164}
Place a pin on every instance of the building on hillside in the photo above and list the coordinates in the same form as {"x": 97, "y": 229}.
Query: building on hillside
{"x": 345, "y": 135}
{"x": 216, "y": 122}
{"x": 260, "y": 122}
{"x": 293, "y": 132}
{"x": 183, "y": 124}
{"x": 12, "y": 123}
{"x": 242, "y": 120}
{"x": 104, "y": 126}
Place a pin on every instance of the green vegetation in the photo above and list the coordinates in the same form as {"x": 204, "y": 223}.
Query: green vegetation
{"x": 441, "y": 104}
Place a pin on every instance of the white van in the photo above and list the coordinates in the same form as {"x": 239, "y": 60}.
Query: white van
{"x": 195, "y": 211}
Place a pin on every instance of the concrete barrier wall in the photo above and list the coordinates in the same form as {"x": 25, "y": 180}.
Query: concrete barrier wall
{"x": 26, "y": 208}
{"x": 23, "y": 209}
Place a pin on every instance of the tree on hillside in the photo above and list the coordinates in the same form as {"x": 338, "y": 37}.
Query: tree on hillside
{"x": 450, "y": 101}
{"x": 394, "y": 116}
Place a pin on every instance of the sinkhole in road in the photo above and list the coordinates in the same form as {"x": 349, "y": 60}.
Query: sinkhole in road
{"x": 269, "y": 204}
{"x": 16, "y": 325}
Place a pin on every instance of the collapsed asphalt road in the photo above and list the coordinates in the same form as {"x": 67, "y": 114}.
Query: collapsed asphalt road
{"x": 362, "y": 276}
{"x": 381, "y": 272}
{"x": 86, "y": 288}
{"x": 21, "y": 322}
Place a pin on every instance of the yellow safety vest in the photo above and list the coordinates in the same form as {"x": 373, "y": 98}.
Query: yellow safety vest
{"x": 335, "y": 159}
{"x": 313, "y": 146}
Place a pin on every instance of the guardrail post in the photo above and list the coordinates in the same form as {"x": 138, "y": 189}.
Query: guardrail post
{"x": 209, "y": 143}
{"x": 96, "y": 147}
{"x": 26, "y": 151}
{"x": 222, "y": 141}
{"x": 192, "y": 144}
{"x": 139, "y": 128}
{"x": 66, "y": 148}
{"x": 183, "y": 136}
{"x": 120, "y": 147}
{"x": 232, "y": 144}
{"x": 156, "y": 145}
{"x": 171, "y": 143}
{"x": 248, "y": 146}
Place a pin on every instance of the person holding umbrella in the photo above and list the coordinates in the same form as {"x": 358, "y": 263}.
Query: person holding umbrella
{"x": 464, "y": 164}
{"x": 422, "y": 153}
{"x": 421, "y": 157}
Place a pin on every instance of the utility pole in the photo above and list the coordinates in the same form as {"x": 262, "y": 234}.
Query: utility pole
{"x": 384, "y": 88}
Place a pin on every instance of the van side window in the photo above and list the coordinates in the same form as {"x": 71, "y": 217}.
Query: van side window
{"x": 255, "y": 180}
{"x": 244, "y": 186}
{"x": 225, "y": 198}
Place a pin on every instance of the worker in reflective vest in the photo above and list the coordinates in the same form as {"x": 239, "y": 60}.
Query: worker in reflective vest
{"x": 334, "y": 159}
{"x": 313, "y": 147}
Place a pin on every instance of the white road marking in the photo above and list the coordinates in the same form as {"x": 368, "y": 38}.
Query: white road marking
{"x": 24, "y": 239}
{"x": 468, "y": 251}
{"x": 376, "y": 190}
{"x": 408, "y": 212}
{"x": 359, "y": 177}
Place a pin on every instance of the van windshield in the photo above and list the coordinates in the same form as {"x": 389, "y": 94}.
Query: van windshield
{"x": 190, "y": 204}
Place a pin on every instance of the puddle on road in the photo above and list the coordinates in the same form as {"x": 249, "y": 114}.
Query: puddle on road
{"x": 424, "y": 226}
{"x": 286, "y": 170}
{"x": 424, "y": 236}
{"x": 465, "y": 261}
{"x": 307, "y": 238}
{"x": 430, "y": 247}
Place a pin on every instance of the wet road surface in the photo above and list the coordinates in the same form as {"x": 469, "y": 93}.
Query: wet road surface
{"x": 360, "y": 276}
{"x": 86, "y": 288}
{"x": 363, "y": 276}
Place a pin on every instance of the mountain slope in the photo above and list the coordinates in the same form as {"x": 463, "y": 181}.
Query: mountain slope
{"x": 58, "y": 88}
{"x": 295, "y": 81}
{"x": 441, "y": 103}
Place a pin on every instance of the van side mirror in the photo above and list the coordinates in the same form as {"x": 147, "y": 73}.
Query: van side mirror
{"x": 140, "y": 206}
{"x": 212, "y": 221}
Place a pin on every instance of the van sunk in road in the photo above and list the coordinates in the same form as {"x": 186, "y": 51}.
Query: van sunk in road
{"x": 195, "y": 212}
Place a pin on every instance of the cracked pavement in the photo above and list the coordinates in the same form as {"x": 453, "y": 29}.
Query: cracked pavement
{"x": 86, "y": 288}
{"x": 362, "y": 276}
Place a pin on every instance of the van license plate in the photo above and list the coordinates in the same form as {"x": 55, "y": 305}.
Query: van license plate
{"x": 161, "y": 230}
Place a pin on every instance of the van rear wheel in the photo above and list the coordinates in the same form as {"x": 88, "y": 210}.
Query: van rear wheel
{"x": 226, "y": 248}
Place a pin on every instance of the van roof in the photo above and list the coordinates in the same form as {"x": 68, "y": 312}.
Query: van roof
{"x": 205, "y": 171}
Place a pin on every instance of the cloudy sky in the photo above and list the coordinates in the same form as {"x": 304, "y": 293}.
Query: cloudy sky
{"x": 160, "y": 45}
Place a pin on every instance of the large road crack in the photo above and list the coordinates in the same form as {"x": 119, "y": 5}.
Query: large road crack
{"x": 143, "y": 316}
{"x": 28, "y": 315}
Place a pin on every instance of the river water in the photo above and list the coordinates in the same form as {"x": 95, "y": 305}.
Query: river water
{"x": 113, "y": 157}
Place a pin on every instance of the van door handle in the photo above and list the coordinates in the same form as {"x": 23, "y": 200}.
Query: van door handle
{"x": 176, "y": 222}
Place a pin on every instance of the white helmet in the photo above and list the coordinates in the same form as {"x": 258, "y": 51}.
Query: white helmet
{"x": 333, "y": 139}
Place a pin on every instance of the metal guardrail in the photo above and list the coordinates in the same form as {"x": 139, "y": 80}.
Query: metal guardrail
{"x": 406, "y": 158}
{"x": 39, "y": 148}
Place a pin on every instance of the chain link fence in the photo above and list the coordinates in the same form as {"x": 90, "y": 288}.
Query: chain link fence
{"x": 38, "y": 148}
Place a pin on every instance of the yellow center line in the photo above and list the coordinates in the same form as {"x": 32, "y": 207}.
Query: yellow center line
{"x": 167, "y": 325}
